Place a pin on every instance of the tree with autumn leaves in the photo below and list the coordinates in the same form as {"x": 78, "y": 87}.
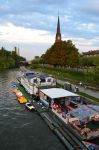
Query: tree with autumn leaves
{"x": 62, "y": 53}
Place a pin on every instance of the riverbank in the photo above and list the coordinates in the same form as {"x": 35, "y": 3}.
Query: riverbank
{"x": 88, "y": 79}
{"x": 88, "y": 91}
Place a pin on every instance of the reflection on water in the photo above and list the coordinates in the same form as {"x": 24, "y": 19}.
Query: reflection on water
{"x": 19, "y": 128}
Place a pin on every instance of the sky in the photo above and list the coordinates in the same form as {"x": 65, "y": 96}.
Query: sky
{"x": 31, "y": 24}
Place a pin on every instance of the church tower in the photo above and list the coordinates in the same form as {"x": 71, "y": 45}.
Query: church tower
{"x": 17, "y": 50}
{"x": 58, "y": 33}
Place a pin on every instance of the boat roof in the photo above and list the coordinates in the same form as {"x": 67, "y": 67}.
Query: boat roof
{"x": 43, "y": 75}
{"x": 94, "y": 107}
{"x": 31, "y": 76}
{"x": 57, "y": 93}
{"x": 29, "y": 72}
{"x": 82, "y": 112}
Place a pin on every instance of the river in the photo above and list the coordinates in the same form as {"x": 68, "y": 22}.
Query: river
{"x": 19, "y": 128}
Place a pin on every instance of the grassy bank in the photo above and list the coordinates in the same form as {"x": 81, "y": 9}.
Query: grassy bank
{"x": 89, "y": 78}
{"x": 88, "y": 96}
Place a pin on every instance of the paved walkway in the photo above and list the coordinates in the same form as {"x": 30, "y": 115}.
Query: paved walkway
{"x": 82, "y": 89}
{"x": 89, "y": 92}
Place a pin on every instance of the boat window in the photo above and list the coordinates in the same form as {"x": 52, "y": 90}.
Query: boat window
{"x": 29, "y": 105}
{"x": 49, "y": 80}
{"x": 35, "y": 80}
{"x": 42, "y": 80}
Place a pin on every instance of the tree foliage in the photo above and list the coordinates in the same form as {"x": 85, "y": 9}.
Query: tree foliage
{"x": 89, "y": 61}
{"x": 36, "y": 60}
{"x": 9, "y": 59}
{"x": 62, "y": 53}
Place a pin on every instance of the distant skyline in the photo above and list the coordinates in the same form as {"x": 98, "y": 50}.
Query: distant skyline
{"x": 31, "y": 24}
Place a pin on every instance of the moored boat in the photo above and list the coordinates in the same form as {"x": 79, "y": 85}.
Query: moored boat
{"x": 29, "y": 106}
{"x": 32, "y": 82}
{"x": 22, "y": 100}
{"x": 67, "y": 105}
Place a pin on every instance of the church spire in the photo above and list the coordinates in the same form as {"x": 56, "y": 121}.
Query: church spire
{"x": 58, "y": 33}
{"x": 58, "y": 26}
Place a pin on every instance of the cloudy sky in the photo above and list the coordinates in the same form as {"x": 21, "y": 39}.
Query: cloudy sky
{"x": 31, "y": 24}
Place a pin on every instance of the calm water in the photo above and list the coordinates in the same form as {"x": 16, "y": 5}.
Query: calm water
{"x": 19, "y": 128}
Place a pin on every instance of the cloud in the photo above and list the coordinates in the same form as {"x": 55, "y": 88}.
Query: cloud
{"x": 87, "y": 26}
{"x": 93, "y": 7}
{"x": 11, "y": 33}
{"x": 31, "y": 42}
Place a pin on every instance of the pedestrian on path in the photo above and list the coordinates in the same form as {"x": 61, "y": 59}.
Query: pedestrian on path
{"x": 76, "y": 89}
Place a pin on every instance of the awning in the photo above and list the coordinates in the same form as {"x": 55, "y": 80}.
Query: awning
{"x": 58, "y": 93}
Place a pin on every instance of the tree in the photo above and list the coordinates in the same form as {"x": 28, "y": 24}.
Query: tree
{"x": 62, "y": 53}
{"x": 9, "y": 59}
{"x": 89, "y": 61}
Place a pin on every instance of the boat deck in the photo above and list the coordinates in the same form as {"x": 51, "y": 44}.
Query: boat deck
{"x": 60, "y": 116}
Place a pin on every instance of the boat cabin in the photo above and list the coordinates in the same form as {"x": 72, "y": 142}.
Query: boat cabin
{"x": 57, "y": 96}
{"x": 33, "y": 81}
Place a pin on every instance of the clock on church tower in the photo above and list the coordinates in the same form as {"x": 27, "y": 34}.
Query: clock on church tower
{"x": 58, "y": 38}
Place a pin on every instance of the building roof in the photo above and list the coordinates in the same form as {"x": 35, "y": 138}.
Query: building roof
{"x": 57, "y": 93}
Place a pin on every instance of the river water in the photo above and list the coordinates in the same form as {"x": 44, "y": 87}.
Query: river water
{"x": 19, "y": 128}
